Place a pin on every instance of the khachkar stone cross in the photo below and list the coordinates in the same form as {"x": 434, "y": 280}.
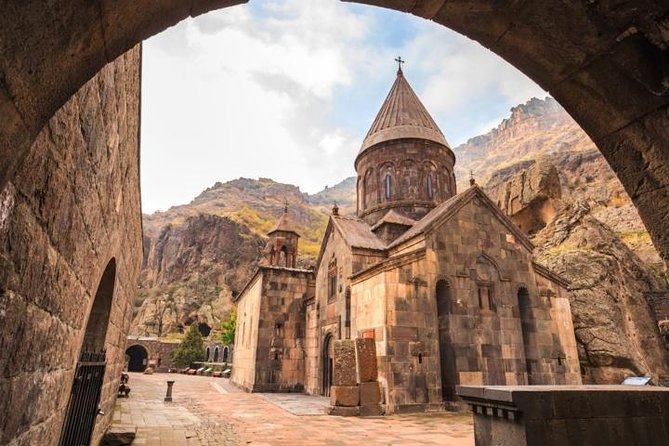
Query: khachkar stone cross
{"x": 399, "y": 64}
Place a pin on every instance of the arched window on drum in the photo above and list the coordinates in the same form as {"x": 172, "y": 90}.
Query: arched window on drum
{"x": 429, "y": 187}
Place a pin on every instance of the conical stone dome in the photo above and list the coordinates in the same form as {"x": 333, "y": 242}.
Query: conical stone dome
{"x": 404, "y": 163}
{"x": 402, "y": 115}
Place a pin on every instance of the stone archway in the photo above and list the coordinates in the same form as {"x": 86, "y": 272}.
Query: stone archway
{"x": 327, "y": 364}
{"x": 138, "y": 358}
{"x": 605, "y": 63}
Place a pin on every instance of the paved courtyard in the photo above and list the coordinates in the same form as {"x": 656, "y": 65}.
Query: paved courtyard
{"x": 210, "y": 411}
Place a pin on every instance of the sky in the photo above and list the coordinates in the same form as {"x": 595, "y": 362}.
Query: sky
{"x": 288, "y": 89}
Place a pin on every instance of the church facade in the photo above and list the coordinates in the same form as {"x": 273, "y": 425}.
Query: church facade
{"x": 444, "y": 283}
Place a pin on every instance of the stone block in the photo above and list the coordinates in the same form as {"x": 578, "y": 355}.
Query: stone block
{"x": 347, "y": 396}
{"x": 372, "y": 410}
{"x": 370, "y": 393}
{"x": 342, "y": 411}
{"x": 119, "y": 436}
{"x": 365, "y": 353}
{"x": 418, "y": 348}
{"x": 344, "y": 373}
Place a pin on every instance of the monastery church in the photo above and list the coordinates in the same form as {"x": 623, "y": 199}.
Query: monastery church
{"x": 441, "y": 287}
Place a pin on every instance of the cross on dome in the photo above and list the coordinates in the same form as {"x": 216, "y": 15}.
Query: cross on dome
{"x": 399, "y": 64}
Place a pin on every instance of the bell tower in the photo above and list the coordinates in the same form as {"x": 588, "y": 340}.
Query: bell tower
{"x": 405, "y": 163}
{"x": 281, "y": 249}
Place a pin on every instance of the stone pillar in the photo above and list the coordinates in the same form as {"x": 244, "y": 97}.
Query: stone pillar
{"x": 344, "y": 392}
{"x": 355, "y": 390}
{"x": 370, "y": 389}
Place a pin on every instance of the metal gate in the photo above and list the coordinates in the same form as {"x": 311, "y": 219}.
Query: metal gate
{"x": 82, "y": 409}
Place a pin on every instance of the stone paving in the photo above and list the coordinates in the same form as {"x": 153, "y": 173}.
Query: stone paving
{"x": 210, "y": 411}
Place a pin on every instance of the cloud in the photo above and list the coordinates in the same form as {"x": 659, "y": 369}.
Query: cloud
{"x": 288, "y": 89}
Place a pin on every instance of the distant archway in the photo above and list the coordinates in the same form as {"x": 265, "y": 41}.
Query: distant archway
{"x": 207, "y": 354}
{"x": 226, "y": 353}
{"x": 216, "y": 354}
{"x": 138, "y": 358}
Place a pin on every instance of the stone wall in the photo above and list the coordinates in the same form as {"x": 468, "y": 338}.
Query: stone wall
{"x": 280, "y": 354}
{"x": 72, "y": 207}
{"x": 445, "y": 309}
{"x": 246, "y": 334}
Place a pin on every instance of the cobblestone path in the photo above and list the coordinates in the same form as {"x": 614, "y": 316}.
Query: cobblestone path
{"x": 210, "y": 411}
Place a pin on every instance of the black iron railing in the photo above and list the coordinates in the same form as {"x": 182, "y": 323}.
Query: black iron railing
{"x": 82, "y": 408}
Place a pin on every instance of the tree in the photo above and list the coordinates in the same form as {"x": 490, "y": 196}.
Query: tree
{"x": 228, "y": 326}
{"x": 191, "y": 348}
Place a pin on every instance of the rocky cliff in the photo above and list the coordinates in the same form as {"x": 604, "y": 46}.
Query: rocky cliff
{"x": 616, "y": 331}
{"x": 191, "y": 271}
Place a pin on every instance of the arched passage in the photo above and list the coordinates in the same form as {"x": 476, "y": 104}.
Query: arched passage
{"x": 215, "y": 355}
{"x": 226, "y": 353}
{"x": 526, "y": 324}
{"x": 584, "y": 53}
{"x": 138, "y": 358}
{"x": 98, "y": 320}
{"x": 328, "y": 364}
{"x": 446, "y": 351}
{"x": 82, "y": 407}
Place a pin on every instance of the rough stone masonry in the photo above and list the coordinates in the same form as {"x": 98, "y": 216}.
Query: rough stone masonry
{"x": 71, "y": 208}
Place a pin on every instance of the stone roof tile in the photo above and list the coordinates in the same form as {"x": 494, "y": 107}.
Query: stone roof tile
{"x": 357, "y": 233}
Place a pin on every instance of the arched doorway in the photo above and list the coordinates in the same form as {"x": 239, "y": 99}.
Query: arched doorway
{"x": 226, "y": 352}
{"x": 138, "y": 358}
{"x": 207, "y": 354}
{"x": 82, "y": 408}
{"x": 446, "y": 351}
{"x": 328, "y": 364}
{"x": 525, "y": 309}
{"x": 216, "y": 354}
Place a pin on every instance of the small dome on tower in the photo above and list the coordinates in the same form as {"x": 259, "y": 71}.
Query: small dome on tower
{"x": 281, "y": 248}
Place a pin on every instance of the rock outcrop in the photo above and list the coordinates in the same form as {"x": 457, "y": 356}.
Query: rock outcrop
{"x": 191, "y": 272}
{"x": 529, "y": 196}
{"x": 615, "y": 328}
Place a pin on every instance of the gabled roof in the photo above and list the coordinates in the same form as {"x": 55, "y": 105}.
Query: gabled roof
{"x": 355, "y": 232}
{"x": 448, "y": 208}
{"x": 284, "y": 224}
{"x": 394, "y": 217}
{"x": 402, "y": 115}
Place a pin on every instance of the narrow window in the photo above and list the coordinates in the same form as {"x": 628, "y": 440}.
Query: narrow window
{"x": 430, "y": 192}
{"x": 332, "y": 280}
{"x": 480, "y": 299}
{"x": 388, "y": 182}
